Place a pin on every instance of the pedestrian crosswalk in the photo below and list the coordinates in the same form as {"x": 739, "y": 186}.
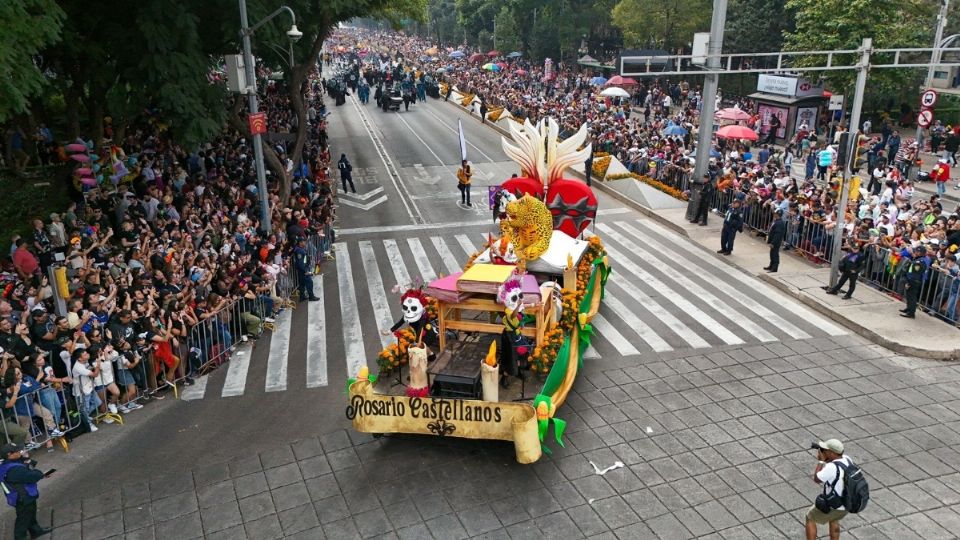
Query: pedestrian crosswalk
{"x": 664, "y": 294}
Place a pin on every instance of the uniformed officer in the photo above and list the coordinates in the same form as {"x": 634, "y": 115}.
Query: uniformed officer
{"x": 301, "y": 264}
{"x": 775, "y": 236}
{"x": 703, "y": 205}
{"x": 19, "y": 481}
{"x": 916, "y": 274}
{"x": 732, "y": 224}
{"x": 850, "y": 266}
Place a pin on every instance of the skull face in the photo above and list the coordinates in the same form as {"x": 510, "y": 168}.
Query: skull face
{"x": 513, "y": 299}
{"x": 412, "y": 310}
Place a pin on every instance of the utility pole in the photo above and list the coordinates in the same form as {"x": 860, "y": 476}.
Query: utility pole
{"x": 710, "y": 83}
{"x": 934, "y": 60}
{"x": 253, "y": 105}
{"x": 863, "y": 67}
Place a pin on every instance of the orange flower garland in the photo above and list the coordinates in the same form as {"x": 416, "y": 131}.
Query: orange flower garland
{"x": 656, "y": 184}
{"x": 600, "y": 166}
{"x": 542, "y": 358}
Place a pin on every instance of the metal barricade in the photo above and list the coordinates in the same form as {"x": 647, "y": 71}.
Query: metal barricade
{"x": 886, "y": 269}
{"x": 38, "y": 418}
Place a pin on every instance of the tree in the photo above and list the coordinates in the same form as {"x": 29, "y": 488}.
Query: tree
{"x": 823, "y": 25}
{"x": 29, "y": 26}
{"x": 757, "y": 26}
{"x": 667, "y": 24}
{"x": 508, "y": 33}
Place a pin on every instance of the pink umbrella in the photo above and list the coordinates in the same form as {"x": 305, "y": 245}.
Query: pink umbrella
{"x": 734, "y": 114}
{"x": 503, "y": 65}
{"x": 493, "y": 54}
{"x": 82, "y": 158}
{"x": 617, "y": 80}
{"x": 476, "y": 57}
{"x": 521, "y": 72}
{"x": 76, "y": 147}
{"x": 88, "y": 181}
{"x": 84, "y": 171}
{"x": 737, "y": 132}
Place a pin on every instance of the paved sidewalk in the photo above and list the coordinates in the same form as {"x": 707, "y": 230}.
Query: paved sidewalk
{"x": 872, "y": 313}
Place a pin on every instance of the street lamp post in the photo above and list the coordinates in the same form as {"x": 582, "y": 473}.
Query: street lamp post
{"x": 934, "y": 61}
{"x": 251, "y": 75}
{"x": 709, "y": 96}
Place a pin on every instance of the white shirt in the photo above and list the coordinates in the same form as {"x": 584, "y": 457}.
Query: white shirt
{"x": 106, "y": 372}
{"x": 82, "y": 379}
{"x": 829, "y": 473}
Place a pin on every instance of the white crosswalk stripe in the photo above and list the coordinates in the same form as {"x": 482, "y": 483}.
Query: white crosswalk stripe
{"x": 788, "y": 304}
{"x": 317, "y": 338}
{"x": 663, "y": 296}
{"x": 688, "y": 284}
{"x": 237, "y": 371}
{"x": 449, "y": 261}
{"x": 349, "y": 313}
{"x": 279, "y": 354}
{"x": 420, "y": 258}
{"x": 378, "y": 297}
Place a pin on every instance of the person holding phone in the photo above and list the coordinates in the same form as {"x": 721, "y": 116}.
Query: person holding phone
{"x": 20, "y": 479}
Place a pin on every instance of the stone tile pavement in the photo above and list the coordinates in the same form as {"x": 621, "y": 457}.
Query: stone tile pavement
{"x": 715, "y": 446}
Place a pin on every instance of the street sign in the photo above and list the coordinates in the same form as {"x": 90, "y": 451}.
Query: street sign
{"x": 836, "y": 102}
{"x": 258, "y": 123}
{"x": 928, "y": 99}
{"x": 925, "y": 118}
{"x": 491, "y": 194}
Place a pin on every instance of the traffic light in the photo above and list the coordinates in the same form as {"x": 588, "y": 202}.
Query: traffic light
{"x": 859, "y": 153}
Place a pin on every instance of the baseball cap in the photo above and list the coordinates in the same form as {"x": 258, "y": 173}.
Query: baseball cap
{"x": 834, "y": 445}
{"x": 10, "y": 448}
{"x": 39, "y": 308}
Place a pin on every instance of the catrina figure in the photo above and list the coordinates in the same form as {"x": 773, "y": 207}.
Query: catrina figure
{"x": 512, "y": 343}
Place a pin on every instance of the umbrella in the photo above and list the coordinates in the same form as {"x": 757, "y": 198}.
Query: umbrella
{"x": 82, "y": 158}
{"x": 432, "y": 51}
{"x": 614, "y": 91}
{"x": 617, "y": 80}
{"x": 476, "y": 57}
{"x": 737, "y": 132}
{"x": 502, "y": 64}
{"x": 457, "y": 54}
{"x": 492, "y": 67}
{"x": 732, "y": 113}
{"x": 493, "y": 54}
{"x": 674, "y": 130}
{"x": 76, "y": 147}
{"x": 84, "y": 171}
{"x": 599, "y": 81}
{"x": 521, "y": 72}
{"x": 514, "y": 54}
{"x": 424, "y": 58}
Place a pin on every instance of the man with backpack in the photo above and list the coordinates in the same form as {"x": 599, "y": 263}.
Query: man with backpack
{"x": 19, "y": 481}
{"x": 346, "y": 173}
{"x": 845, "y": 489}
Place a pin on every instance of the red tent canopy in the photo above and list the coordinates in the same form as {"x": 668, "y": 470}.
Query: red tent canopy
{"x": 617, "y": 80}
{"x": 737, "y": 132}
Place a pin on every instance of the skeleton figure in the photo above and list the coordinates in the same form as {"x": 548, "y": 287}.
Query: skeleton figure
{"x": 413, "y": 304}
{"x": 513, "y": 346}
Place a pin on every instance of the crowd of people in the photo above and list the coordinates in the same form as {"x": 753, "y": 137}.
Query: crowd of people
{"x": 157, "y": 275}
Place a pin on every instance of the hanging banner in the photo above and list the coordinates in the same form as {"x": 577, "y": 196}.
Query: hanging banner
{"x": 463, "y": 141}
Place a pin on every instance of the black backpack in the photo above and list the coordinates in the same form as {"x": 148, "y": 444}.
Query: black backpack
{"x": 856, "y": 490}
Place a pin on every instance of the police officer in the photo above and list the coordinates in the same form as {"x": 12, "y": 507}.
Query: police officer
{"x": 346, "y": 173}
{"x": 916, "y": 273}
{"x": 19, "y": 481}
{"x": 301, "y": 264}
{"x": 732, "y": 224}
{"x": 850, "y": 266}
{"x": 775, "y": 236}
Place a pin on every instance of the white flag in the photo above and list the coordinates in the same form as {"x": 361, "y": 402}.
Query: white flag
{"x": 463, "y": 141}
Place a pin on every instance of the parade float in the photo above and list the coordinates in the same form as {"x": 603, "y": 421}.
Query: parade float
{"x": 472, "y": 347}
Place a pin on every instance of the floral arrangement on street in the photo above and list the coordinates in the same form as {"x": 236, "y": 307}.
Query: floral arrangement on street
{"x": 600, "y": 166}
{"x": 494, "y": 114}
{"x": 656, "y": 184}
{"x": 467, "y": 100}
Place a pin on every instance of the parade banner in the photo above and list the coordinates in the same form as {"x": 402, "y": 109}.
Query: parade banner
{"x": 442, "y": 417}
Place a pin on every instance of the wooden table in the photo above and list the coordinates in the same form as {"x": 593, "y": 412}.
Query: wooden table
{"x": 450, "y": 317}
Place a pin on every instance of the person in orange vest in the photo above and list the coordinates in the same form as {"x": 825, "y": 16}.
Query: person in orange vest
{"x": 941, "y": 175}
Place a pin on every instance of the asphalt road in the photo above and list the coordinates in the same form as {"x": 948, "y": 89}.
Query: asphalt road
{"x": 697, "y": 373}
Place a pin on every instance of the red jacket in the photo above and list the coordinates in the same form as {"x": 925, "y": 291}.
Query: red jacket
{"x": 941, "y": 173}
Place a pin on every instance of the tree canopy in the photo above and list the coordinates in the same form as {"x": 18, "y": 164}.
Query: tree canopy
{"x": 29, "y": 26}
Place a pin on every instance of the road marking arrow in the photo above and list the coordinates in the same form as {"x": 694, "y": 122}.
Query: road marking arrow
{"x": 363, "y": 197}
{"x": 368, "y": 206}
